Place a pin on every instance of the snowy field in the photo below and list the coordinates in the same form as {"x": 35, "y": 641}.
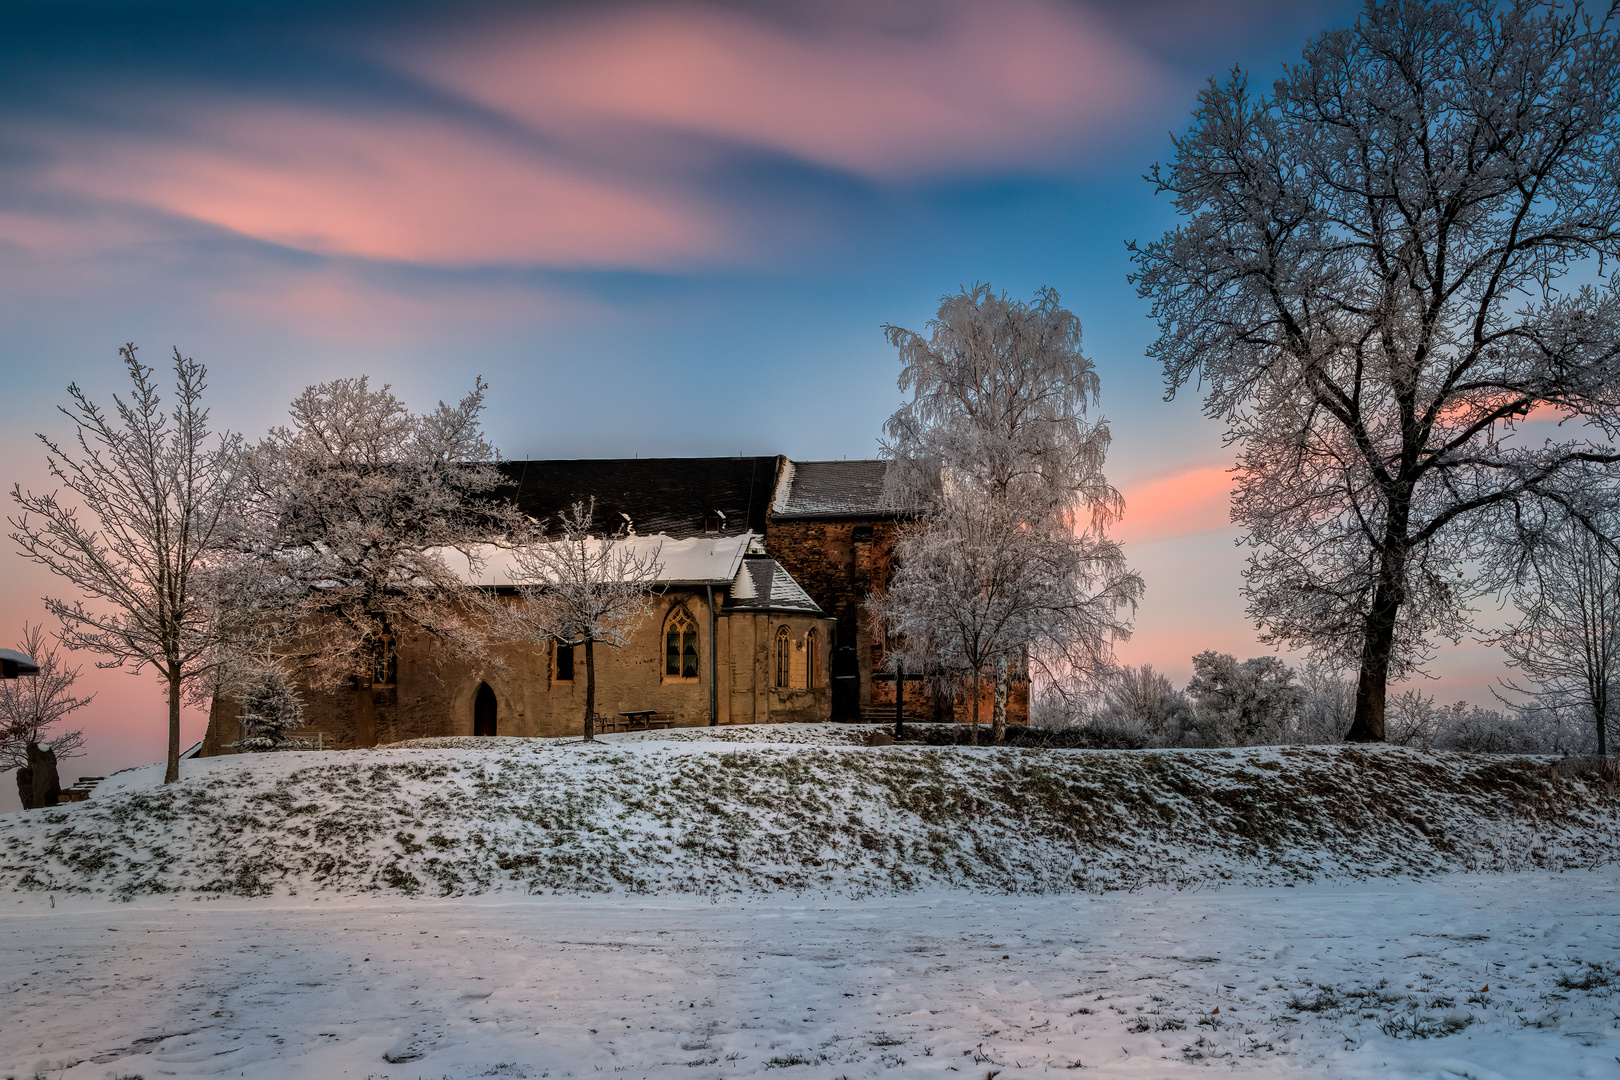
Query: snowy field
{"x": 1459, "y": 976}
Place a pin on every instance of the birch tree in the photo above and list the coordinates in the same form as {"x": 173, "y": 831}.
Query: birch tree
{"x": 581, "y": 587}
{"x": 148, "y": 510}
{"x": 353, "y": 511}
{"x": 1371, "y": 285}
{"x": 1009, "y": 556}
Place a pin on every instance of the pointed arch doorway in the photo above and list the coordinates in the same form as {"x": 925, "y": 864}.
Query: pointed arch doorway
{"x": 484, "y": 711}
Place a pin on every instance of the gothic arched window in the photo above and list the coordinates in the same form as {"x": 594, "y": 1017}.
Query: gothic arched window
{"x": 784, "y": 658}
{"x": 812, "y": 658}
{"x": 680, "y": 645}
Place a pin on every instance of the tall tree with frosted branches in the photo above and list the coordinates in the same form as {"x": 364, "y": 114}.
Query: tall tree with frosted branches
{"x": 358, "y": 517}
{"x": 150, "y": 510}
{"x": 583, "y": 586}
{"x": 1369, "y": 285}
{"x": 1008, "y": 556}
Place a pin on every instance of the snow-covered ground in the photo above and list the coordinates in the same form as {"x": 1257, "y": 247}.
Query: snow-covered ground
{"x": 804, "y": 812}
{"x": 1477, "y": 976}
{"x": 783, "y": 901}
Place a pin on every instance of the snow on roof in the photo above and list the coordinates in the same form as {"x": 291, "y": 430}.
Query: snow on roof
{"x": 830, "y": 489}
{"x": 763, "y": 585}
{"x": 699, "y": 560}
{"x": 15, "y": 663}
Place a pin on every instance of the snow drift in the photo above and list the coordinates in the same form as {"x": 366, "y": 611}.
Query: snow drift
{"x": 681, "y": 812}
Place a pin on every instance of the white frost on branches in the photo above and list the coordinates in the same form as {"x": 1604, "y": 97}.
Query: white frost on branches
{"x": 1009, "y": 557}
{"x": 582, "y": 587}
{"x": 350, "y": 511}
{"x": 149, "y": 513}
{"x": 30, "y": 706}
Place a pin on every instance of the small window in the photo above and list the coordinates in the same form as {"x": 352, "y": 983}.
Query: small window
{"x": 384, "y": 661}
{"x": 812, "y": 658}
{"x": 680, "y": 645}
{"x": 784, "y": 658}
{"x": 711, "y": 523}
{"x": 565, "y": 662}
{"x": 862, "y": 534}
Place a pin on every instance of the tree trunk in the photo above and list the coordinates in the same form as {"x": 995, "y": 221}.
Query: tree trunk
{"x": 1378, "y": 641}
{"x": 365, "y": 717}
{"x": 172, "y": 772}
{"x": 590, "y": 690}
{"x": 1600, "y": 706}
{"x": 899, "y": 701}
{"x": 974, "y": 741}
{"x": 998, "y": 713}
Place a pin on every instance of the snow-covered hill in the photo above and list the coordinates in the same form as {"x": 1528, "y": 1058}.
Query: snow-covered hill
{"x": 682, "y": 812}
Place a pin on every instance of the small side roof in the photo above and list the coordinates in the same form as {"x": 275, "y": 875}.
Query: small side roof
{"x": 14, "y": 663}
{"x": 762, "y": 584}
{"x": 825, "y": 489}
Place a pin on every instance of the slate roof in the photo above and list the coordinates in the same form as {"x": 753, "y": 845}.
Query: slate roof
{"x": 762, "y": 585}
{"x": 817, "y": 489}
{"x": 671, "y": 496}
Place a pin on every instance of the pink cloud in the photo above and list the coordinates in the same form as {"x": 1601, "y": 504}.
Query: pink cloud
{"x": 395, "y": 188}
{"x": 332, "y": 305}
{"x": 958, "y": 84}
{"x": 1196, "y": 500}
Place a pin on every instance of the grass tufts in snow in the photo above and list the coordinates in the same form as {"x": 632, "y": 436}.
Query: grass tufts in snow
{"x": 711, "y": 816}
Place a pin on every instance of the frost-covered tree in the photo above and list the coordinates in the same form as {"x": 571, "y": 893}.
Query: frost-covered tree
{"x": 149, "y": 512}
{"x": 269, "y": 708}
{"x": 1142, "y": 696}
{"x": 1370, "y": 288}
{"x": 1329, "y": 705}
{"x": 1008, "y": 556}
{"x": 582, "y": 586}
{"x": 354, "y": 511}
{"x": 1566, "y": 641}
{"x": 1252, "y": 703}
{"x": 30, "y": 707}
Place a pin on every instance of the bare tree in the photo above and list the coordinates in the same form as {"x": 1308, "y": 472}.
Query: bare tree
{"x": 1367, "y": 288}
{"x": 1010, "y": 557}
{"x": 157, "y": 488}
{"x": 352, "y": 514}
{"x": 1567, "y": 639}
{"x": 584, "y": 587}
{"x": 30, "y": 707}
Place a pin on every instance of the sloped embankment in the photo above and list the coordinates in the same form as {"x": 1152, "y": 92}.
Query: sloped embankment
{"x": 654, "y": 816}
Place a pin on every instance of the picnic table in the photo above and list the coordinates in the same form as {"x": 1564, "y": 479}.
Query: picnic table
{"x": 644, "y": 719}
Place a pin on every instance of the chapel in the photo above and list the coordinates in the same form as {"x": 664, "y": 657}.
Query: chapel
{"x": 757, "y": 614}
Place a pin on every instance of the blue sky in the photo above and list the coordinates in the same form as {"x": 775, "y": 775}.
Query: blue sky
{"x": 657, "y": 229}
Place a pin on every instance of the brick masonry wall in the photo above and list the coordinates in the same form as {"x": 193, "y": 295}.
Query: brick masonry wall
{"x": 839, "y": 572}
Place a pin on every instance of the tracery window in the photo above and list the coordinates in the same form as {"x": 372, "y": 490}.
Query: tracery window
{"x": 384, "y": 661}
{"x": 680, "y": 645}
{"x": 812, "y": 658}
{"x": 784, "y": 658}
